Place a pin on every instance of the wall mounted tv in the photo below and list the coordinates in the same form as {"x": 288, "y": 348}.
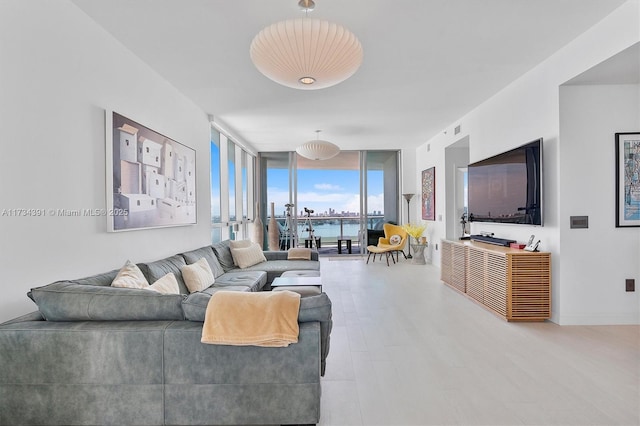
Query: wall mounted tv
{"x": 507, "y": 188}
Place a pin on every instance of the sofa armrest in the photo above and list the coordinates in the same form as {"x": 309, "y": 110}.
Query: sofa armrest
{"x": 318, "y": 308}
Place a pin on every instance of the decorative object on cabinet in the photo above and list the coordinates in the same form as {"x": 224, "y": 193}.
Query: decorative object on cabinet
{"x": 429, "y": 194}
{"x": 151, "y": 179}
{"x": 627, "y": 185}
{"x": 463, "y": 223}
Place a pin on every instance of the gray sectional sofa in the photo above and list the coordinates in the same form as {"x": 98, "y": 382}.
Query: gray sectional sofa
{"x": 98, "y": 355}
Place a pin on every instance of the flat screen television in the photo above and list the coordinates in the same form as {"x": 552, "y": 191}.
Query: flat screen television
{"x": 507, "y": 188}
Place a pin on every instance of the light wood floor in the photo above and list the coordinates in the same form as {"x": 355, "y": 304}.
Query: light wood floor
{"x": 407, "y": 350}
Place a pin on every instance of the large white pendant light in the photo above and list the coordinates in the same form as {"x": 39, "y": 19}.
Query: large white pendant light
{"x": 318, "y": 149}
{"x": 306, "y": 53}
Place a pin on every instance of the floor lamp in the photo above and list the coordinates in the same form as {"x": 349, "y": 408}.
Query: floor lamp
{"x": 408, "y": 197}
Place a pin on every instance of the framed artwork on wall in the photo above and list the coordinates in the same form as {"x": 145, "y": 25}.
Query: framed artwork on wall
{"x": 627, "y": 179}
{"x": 429, "y": 194}
{"x": 151, "y": 179}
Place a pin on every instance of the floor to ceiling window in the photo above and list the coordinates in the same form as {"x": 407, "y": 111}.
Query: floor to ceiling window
{"x": 232, "y": 188}
{"x": 216, "y": 215}
{"x": 275, "y": 188}
{"x": 382, "y": 183}
{"x": 328, "y": 197}
{"x": 231, "y": 178}
{"x": 340, "y": 197}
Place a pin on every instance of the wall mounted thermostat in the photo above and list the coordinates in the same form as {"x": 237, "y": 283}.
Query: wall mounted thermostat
{"x": 578, "y": 222}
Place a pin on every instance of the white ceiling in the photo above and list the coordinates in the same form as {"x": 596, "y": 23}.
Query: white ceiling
{"x": 426, "y": 62}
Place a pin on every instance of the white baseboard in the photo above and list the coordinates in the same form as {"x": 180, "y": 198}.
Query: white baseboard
{"x": 599, "y": 319}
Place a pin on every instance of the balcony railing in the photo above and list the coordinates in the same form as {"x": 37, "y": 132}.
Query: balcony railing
{"x": 328, "y": 228}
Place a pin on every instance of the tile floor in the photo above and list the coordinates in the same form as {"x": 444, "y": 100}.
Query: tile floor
{"x": 408, "y": 350}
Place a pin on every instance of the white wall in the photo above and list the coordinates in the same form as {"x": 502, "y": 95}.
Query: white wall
{"x": 528, "y": 109}
{"x": 59, "y": 71}
{"x": 427, "y": 156}
{"x": 602, "y": 256}
{"x": 408, "y": 186}
{"x": 455, "y": 158}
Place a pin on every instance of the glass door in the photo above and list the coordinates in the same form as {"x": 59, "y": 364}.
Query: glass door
{"x": 277, "y": 189}
{"x": 381, "y": 195}
{"x": 327, "y": 203}
{"x": 328, "y": 199}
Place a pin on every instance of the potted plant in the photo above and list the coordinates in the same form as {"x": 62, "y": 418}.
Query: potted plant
{"x": 415, "y": 230}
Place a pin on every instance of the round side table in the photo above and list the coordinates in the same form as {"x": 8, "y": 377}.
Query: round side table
{"x": 418, "y": 253}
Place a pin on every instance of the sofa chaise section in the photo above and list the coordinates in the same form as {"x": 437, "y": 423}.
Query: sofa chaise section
{"x": 218, "y": 384}
{"x": 276, "y": 264}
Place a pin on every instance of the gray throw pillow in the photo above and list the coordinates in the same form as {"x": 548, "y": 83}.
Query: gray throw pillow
{"x": 158, "y": 269}
{"x": 223, "y": 253}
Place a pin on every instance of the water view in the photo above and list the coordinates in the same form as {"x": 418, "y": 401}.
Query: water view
{"x": 330, "y": 229}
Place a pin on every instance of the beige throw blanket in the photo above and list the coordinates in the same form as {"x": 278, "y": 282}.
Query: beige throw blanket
{"x": 265, "y": 318}
{"x": 299, "y": 254}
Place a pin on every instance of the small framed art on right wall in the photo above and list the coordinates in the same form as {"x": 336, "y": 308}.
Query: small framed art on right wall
{"x": 627, "y": 179}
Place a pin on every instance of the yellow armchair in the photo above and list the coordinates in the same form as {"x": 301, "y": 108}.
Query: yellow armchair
{"x": 391, "y": 230}
{"x": 389, "y": 244}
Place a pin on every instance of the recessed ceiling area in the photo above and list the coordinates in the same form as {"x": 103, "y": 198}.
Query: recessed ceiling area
{"x": 426, "y": 63}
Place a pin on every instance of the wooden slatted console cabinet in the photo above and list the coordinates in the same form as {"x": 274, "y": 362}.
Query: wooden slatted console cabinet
{"x": 514, "y": 284}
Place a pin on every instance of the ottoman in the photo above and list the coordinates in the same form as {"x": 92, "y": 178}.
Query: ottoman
{"x": 297, "y": 285}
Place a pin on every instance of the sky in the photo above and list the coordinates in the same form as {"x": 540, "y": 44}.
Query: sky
{"x": 321, "y": 190}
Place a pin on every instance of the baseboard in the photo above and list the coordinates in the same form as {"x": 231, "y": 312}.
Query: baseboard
{"x": 601, "y": 319}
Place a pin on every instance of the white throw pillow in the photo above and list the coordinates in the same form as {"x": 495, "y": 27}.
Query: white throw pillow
{"x": 130, "y": 276}
{"x": 166, "y": 285}
{"x": 249, "y": 256}
{"x": 395, "y": 240}
{"x": 236, "y": 244}
{"x": 198, "y": 275}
